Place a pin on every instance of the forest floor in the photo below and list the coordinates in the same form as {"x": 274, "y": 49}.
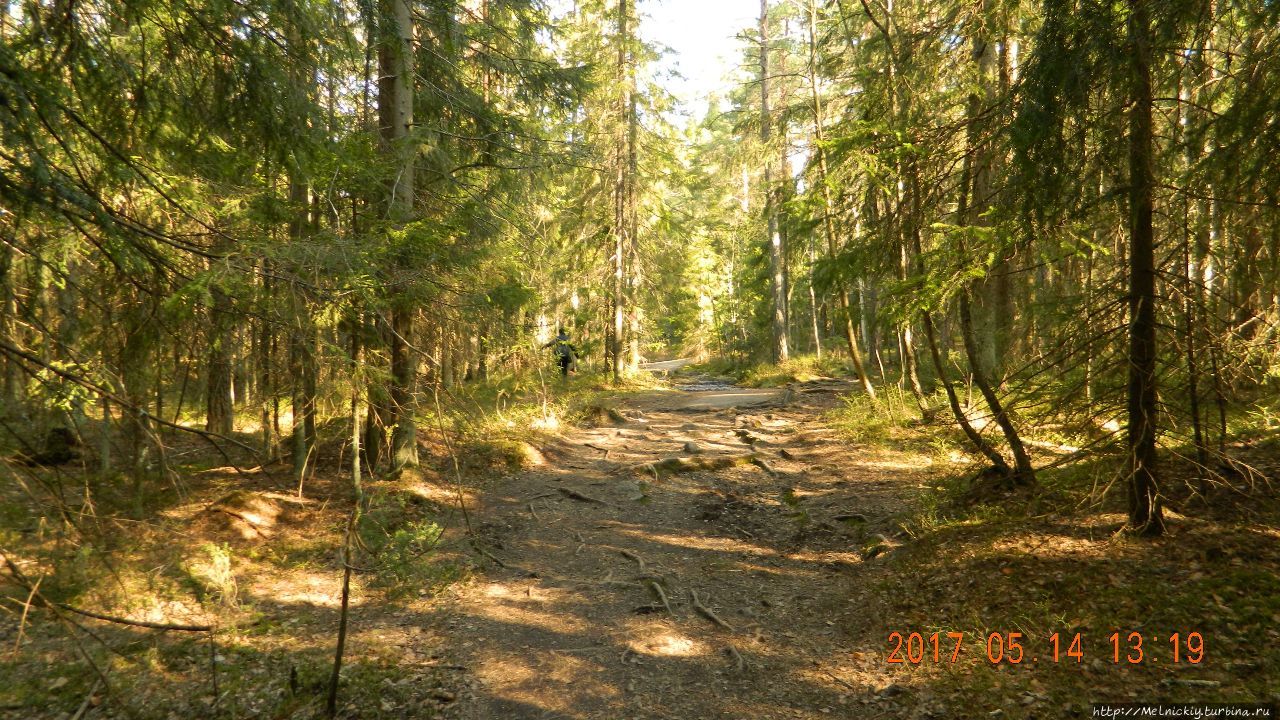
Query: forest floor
{"x": 782, "y": 579}
{"x": 697, "y": 551}
{"x": 638, "y": 590}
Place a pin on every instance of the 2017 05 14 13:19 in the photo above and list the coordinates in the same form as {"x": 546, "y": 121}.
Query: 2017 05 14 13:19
{"x": 1016, "y": 648}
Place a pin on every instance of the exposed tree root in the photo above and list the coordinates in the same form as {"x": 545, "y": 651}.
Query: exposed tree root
{"x": 706, "y": 612}
{"x": 571, "y": 493}
{"x": 765, "y": 466}
{"x": 739, "y": 663}
{"x": 634, "y": 558}
{"x": 676, "y": 465}
{"x": 662, "y": 595}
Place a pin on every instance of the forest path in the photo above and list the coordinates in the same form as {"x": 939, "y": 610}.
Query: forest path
{"x": 574, "y": 625}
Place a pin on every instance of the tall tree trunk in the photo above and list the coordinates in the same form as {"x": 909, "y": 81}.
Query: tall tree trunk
{"x": 69, "y": 336}
{"x": 404, "y": 367}
{"x": 266, "y": 360}
{"x": 980, "y": 443}
{"x": 1190, "y": 295}
{"x": 1145, "y": 513}
{"x": 975, "y": 192}
{"x": 219, "y": 414}
{"x": 301, "y": 334}
{"x": 987, "y": 321}
{"x": 632, "y": 212}
{"x": 378, "y": 406}
{"x": 773, "y": 238}
{"x": 395, "y": 114}
{"x": 905, "y": 230}
{"x": 620, "y": 218}
{"x": 828, "y": 207}
{"x": 10, "y": 397}
{"x": 299, "y": 448}
{"x": 813, "y": 302}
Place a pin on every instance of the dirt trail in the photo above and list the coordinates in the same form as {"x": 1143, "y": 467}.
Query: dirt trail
{"x": 575, "y": 625}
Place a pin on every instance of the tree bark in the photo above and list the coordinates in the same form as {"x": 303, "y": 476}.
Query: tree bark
{"x": 219, "y": 414}
{"x": 620, "y": 218}
{"x": 1145, "y": 513}
{"x": 395, "y": 113}
{"x": 979, "y": 442}
{"x": 777, "y": 279}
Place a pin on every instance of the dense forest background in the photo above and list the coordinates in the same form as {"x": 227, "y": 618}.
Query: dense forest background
{"x": 336, "y": 238}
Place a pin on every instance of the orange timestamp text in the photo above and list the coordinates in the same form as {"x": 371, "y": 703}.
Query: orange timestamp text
{"x": 1016, "y": 648}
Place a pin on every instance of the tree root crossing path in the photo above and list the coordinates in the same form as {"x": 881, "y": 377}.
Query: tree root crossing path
{"x": 701, "y": 556}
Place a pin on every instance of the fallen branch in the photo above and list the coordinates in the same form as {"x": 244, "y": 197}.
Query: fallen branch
{"x": 764, "y": 465}
{"x": 88, "y": 700}
{"x": 137, "y": 623}
{"x": 606, "y": 451}
{"x": 706, "y": 612}
{"x": 36, "y": 599}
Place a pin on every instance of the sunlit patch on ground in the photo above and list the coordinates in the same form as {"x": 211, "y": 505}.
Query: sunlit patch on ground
{"x": 696, "y": 542}
{"x": 670, "y": 644}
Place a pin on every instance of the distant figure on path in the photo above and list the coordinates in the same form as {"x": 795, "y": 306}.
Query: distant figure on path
{"x": 565, "y": 351}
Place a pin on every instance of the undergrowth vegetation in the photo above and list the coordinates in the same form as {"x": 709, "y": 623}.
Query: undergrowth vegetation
{"x": 1054, "y": 559}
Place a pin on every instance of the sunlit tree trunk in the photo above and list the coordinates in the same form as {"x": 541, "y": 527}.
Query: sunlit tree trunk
{"x": 620, "y": 216}
{"x": 632, "y": 213}
{"x": 773, "y": 238}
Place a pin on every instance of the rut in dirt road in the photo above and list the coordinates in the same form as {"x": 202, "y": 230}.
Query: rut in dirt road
{"x": 634, "y": 592}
